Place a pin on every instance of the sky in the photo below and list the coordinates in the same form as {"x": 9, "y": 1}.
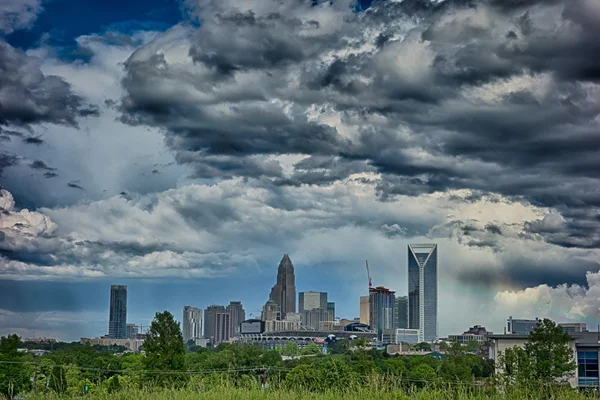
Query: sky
{"x": 181, "y": 147}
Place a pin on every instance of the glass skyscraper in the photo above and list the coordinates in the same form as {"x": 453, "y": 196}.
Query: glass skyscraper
{"x": 381, "y": 310}
{"x": 117, "y": 319}
{"x": 422, "y": 290}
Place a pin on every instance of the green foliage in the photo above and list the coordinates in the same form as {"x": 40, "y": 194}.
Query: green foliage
{"x": 395, "y": 366}
{"x": 14, "y": 377}
{"x": 165, "y": 351}
{"x": 546, "y": 357}
{"x": 421, "y": 375}
{"x": 311, "y": 349}
{"x": 58, "y": 379}
{"x": 472, "y": 346}
{"x": 340, "y": 346}
{"x": 113, "y": 384}
{"x": 423, "y": 346}
{"x": 289, "y": 349}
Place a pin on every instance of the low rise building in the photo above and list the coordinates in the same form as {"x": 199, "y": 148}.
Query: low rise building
{"x": 585, "y": 346}
{"x": 570, "y": 327}
{"x": 516, "y": 326}
{"x": 398, "y": 336}
{"x": 131, "y": 344}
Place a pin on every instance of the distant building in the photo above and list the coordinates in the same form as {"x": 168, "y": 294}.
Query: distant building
{"x": 293, "y": 322}
{"x": 401, "y": 312}
{"x": 312, "y": 318}
{"x": 572, "y": 327}
{"x": 331, "y": 309}
{"x": 364, "y": 310}
{"x": 381, "y": 310}
{"x": 117, "y": 319}
{"x": 39, "y": 340}
{"x": 132, "y": 331}
{"x": 284, "y": 291}
{"x": 217, "y": 324}
{"x": 422, "y": 290}
{"x": 271, "y": 311}
{"x": 192, "y": 323}
{"x": 131, "y": 344}
{"x": 520, "y": 326}
{"x": 310, "y": 300}
{"x": 238, "y": 314}
{"x": 477, "y": 333}
{"x": 399, "y": 336}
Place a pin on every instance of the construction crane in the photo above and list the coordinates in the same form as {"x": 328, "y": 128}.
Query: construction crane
{"x": 369, "y": 274}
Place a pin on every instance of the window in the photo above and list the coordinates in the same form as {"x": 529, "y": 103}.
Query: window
{"x": 587, "y": 364}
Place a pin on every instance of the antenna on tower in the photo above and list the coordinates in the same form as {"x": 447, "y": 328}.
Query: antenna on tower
{"x": 369, "y": 274}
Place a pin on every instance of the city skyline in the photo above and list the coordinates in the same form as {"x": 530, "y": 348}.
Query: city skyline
{"x": 181, "y": 159}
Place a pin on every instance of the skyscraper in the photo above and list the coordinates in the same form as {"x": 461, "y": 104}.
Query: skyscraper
{"x": 237, "y": 315}
{"x": 192, "y": 323}
{"x": 364, "y": 310}
{"x": 381, "y": 310}
{"x": 310, "y": 300}
{"x": 331, "y": 309}
{"x": 422, "y": 290}
{"x": 284, "y": 291}
{"x": 401, "y": 313}
{"x": 117, "y": 319}
{"x": 217, "y": 324}
{"x": 131, "y": 331}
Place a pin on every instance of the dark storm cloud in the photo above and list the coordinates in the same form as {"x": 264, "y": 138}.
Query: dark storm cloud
{"x": 497, "y": 97}
{"x": 33, "y": 140}
{"x": 27, "y": 96}
{"x": 75, "y": 185}
{"x": 40, "y": 165}
{"x": 7, "y": 160}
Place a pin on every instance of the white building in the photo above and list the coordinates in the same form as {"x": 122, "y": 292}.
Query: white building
{"x": 398, "y": 336}
{"x": 192, "y": 323}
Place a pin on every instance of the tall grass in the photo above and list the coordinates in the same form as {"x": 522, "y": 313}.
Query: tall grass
{"x": 367, "y": 392}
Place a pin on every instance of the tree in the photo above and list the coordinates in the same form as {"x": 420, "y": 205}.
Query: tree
{"x": 165, "y": 350}
{"x": 14, "y": 377}
{"x": 421, "y": 374}
{"x": 423, "y": 346}
{"x": 472, "y": 346}
{"x": 113, "y": 384}
{"x": 545, "y": 358}
{"x": 551, "y": 355}
{"x": 311, "y": 349}
{"x": 456, "y": 366}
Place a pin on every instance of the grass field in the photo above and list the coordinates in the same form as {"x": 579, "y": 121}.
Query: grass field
{"x": 225, "y": 393}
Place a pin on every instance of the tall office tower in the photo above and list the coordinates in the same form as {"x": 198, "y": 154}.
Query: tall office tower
{"x": 381, "y": 310}
{"x": 364, "y": 310}
{"x": 238, "y": 314}
{"x": 312, "y": 318}
{"x": 284, "y": 291}
{"x": 401, "y": 313}
{"x": 422, "y": 290}
{"x": 117, "y": 320}
{"x": 131, "y": 331}
{"x": 331, "y": 309}
{"x": 217, "y": 324}
{"x": 192, "y": 323}
{"x": 310, "y": 300}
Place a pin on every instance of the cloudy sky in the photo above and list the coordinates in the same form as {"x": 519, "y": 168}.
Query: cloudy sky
{"x": 181, "y": 147}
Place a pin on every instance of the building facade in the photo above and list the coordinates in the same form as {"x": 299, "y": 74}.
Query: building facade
{"x": 117, "y": 320}
{"x": 572, "y": 327}
{"x": 312, "y": 319}
{"x": 271, "y": 311}
{"x": 131, "y": 344}
{"x": 217, "y": 324}
{"x": 401, "y": 313}
{"x": 477, "y": 333}
{"x": 132, "y": 331}
{"x": 310, "y": 300}
{"x": 192, "y": 323}
{"x": 381, "y": 310}
{"x": 423, "y": 290}
{"x": 331, "y": 309}
{"x": 400, "y": 336}
{"x": 284, "y": 291}
{"x": 364, "y": 310}
{"x": 238, "y": 314}
{"x": 516, "y": 326}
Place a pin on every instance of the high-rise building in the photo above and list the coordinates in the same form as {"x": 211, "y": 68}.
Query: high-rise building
{"x": 217, "y": 324}
{"x": 381, "y": 310}
{"x": 117, "y": 319}
{"x": 422, "y": 290}
{"x": 192, "y": 323}
{"x": 284, "y": 291}
{"x": 312, "y": 318}
{"x": 401, "y": 313}
{"x": 132, "y": 331}
{"x": 238, "y": 314}
{"x": 331, "y": 309}
{"x": 364, "y": 310}
{"x": 310, "y": 300}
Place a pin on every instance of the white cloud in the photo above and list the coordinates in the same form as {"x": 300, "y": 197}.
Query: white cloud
{"x": 18, "y": 14}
